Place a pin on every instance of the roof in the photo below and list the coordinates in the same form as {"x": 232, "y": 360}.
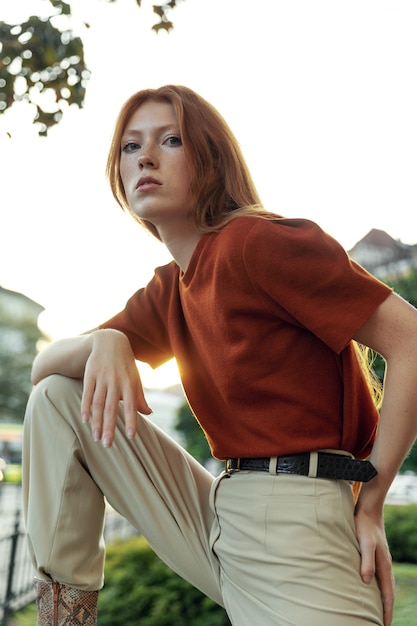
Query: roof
{"x": 378, "y": 238}
{"x": 20, "y": 296}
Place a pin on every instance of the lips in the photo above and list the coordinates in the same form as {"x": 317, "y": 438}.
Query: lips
{"x": 147, "y": 182}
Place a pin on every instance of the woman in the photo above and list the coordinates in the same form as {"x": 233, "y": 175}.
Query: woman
{"x": 262, "y": 314}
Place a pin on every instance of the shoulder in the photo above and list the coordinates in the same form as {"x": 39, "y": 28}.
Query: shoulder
{"x": 159, "y": 287}
{"x": 270, "y": 224}
{"x": 277, "y": 235}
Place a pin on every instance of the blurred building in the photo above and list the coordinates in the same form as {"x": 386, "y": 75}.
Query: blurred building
{"x": 19, "y": 336}
{"x": 384, "y": 256}
{"x": 16, "y": 312}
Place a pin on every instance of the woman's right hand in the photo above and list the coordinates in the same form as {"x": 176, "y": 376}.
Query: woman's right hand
{"x": 111, "y": 376}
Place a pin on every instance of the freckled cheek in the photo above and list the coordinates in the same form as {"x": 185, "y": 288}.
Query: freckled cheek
{"x": 187, "y": 175}
{"x": 126, "y": 176}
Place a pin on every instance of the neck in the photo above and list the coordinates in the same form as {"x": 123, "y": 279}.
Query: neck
{"x": 181, "y": 247}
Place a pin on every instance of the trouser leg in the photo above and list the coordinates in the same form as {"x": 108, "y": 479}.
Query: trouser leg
{"x": 150, "y": 480}
{"x": 289, "y": 553}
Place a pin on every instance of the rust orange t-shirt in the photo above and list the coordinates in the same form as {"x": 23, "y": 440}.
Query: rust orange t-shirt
{"x": 260, "y": 324}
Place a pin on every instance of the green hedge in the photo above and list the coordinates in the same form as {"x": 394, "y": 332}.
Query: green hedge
{"x": 141, "y": 589}
{"x": 401, "y": 527}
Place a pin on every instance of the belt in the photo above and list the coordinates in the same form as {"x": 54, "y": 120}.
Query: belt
{"x": 325, "y": 465}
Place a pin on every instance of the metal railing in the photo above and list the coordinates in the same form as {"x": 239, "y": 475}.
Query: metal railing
{"x": 16, "y": 571}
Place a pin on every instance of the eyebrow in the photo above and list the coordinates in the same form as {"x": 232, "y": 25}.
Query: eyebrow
{"x": 159, "y": 129}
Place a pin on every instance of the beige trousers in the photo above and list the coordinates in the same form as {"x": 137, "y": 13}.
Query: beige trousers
{"x": 274, "y": 550}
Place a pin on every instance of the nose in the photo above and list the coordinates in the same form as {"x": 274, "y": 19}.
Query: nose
{"x": 148, "y": 158}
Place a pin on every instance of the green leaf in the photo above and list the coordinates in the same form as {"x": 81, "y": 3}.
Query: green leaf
{"x": 36, "y": 56}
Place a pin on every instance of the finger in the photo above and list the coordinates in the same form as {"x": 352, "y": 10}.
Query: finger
{"x": 97, "y": 412}
{"x": 87, "y": 399}
{"x": 134, "y": 402}
{"x": 110, "y": 415}
{"x": 367, "y": 562}
{"x": 386, "y": 584}
{"x": 130, "y": 409}
{"x": 141, "y": 405}
{"x": 387, "y": 594}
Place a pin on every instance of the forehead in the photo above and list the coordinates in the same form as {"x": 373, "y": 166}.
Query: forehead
{"x": 152, "y": 114}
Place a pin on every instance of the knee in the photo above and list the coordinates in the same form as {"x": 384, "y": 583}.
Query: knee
{"x": 56, "y": 389}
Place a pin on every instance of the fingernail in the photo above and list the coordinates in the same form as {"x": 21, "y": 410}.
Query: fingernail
{"x": 106, "y": 441}
{"x": 130, "y": 433}
{"x": 96, "y": 435}
{"x": 84, "y": 417}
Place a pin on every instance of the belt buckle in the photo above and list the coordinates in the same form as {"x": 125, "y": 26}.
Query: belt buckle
{"x": 232, "y": 466}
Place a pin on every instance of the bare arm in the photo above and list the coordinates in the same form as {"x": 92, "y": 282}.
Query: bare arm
{"x": 392, "y": 332}
{"x": 65, "y": 356}
{"x": 105, "y": 361}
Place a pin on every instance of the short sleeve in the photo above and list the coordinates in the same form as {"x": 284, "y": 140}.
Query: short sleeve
{"x": 146, "y": 317}
{"x": 299, "y": 268}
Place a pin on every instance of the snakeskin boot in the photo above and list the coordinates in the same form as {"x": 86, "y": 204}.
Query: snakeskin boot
{"x": 60, "y": 605}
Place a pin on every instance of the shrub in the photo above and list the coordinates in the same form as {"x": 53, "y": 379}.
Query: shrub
{"x": 401, "y": 527}
{"x": 141, "y": 589}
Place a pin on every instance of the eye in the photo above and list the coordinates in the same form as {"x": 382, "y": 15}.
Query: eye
{"x": 174, "y": 141}
{"x": 130, "y": 146}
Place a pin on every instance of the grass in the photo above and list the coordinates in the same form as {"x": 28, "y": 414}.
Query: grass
{"x": 405, "y": 612}
{"x": 405, "y": 604}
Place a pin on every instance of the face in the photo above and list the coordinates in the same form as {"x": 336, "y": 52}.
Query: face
{"x": 154, "y": 170}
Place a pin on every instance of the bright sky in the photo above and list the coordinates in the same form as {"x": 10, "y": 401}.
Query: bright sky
{"x": 321, "y": 95}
